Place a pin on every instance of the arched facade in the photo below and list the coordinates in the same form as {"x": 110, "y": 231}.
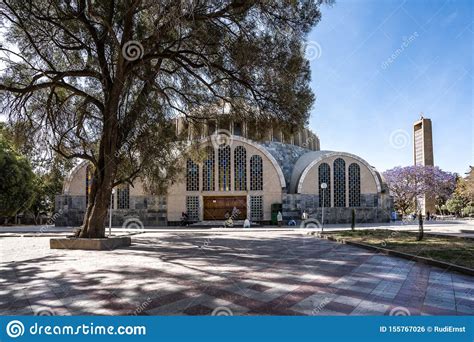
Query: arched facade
{"x": 354, "y": 182}
{"x": 249, "y": 176}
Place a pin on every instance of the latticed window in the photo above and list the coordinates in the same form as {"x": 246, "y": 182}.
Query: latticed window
{"x": 324, "y": 172}
{"x": 192, "y": 207}
{"x": 224, "y": 168}
{"x": 240, "y": 169}
{"x": 339, "y": 183}
{"x": 192, "y": 176}
{"x": 354, "y": 185}
{"x": 256, "y": 173}
{"x": 123, "y": 197}
{"x": 208, "y": 170}
{"x": 256, "y": 208}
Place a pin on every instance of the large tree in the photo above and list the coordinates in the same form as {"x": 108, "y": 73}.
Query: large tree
{"x": 462, "y": 200}
{"x": 100, "y": 80}
{"x": 407, "y": 183}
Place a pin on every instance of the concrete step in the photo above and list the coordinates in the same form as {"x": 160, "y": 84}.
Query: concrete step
{"x": 220, "y": 224}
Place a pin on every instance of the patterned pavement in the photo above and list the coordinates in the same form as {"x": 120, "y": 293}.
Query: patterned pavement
{"x": 245, "y": 273}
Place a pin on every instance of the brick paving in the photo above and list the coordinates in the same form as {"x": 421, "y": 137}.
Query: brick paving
{"x": 239, "y": 273}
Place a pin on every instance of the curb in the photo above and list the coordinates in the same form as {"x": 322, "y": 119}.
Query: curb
{"x": 432, "y": 262}
{"x": 449, "y": 235}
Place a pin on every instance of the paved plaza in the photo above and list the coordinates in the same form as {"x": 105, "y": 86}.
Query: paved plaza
{"x": 223, "y": 273}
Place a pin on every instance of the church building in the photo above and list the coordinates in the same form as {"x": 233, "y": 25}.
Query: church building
{"x": 256, "y": 169}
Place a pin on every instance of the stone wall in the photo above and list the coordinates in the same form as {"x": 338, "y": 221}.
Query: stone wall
{"x": 286, "y": 156}
{"x": 144, "y": 210}
{"x": 344, "y": 215}
{"x": 370, "y": 211}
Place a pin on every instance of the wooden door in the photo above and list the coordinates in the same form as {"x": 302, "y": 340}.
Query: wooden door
{"x": 216, "y": 207}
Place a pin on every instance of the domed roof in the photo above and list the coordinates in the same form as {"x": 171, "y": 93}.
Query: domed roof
{"x": 306, "y": 161}
{"x": 286, "y": 156}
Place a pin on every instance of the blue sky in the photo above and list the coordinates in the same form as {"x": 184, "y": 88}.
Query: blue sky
{"x": 377, "y": 64}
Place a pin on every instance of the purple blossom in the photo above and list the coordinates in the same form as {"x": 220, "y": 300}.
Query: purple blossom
{"x": 409, "y": 182}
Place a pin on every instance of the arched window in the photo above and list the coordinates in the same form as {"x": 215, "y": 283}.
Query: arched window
{"x": 240, "y": 169}
{"x": 208, "y": 183}
{"x": 224, "y": 168}
{"x": 192, "y": 176}
{"x": 339, "y": 168}
{"x": 324, "y": 172}
{"x": 123, "y": 196}
{"x": 256, "y": 173}
{"x": 354, "y": 185}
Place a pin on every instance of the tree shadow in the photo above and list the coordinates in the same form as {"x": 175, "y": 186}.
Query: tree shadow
{"x": 170, "y": 269}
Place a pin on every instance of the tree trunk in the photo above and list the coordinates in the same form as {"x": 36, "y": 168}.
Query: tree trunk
{"x": 97, "y": 209}
{"x": 106, "y": 166}
{"x": 102, "y": 180}
{"x": 420, "y": 226}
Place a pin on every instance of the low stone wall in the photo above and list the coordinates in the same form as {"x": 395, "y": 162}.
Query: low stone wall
{"x": 294, "y": 204}
{"x": 146, "y": 211}
{"x": 344, "y": 215}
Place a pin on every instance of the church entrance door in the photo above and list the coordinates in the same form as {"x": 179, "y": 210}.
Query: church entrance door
{"x": 216, "y": 207}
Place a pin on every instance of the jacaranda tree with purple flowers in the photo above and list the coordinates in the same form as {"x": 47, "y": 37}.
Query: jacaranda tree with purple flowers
{"x": 409, "y": 182}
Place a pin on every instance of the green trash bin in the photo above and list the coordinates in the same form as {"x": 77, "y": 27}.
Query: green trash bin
{"x": 275, "y": 208}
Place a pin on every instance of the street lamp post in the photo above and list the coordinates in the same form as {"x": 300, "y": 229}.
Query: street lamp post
{"x": 110, "y": 211}
{"x": 324, "y": 187}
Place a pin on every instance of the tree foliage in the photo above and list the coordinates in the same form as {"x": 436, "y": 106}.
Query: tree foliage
{"x": 16, "y": 180}
{"x": 462, "y": 200}
{"x": 409, "y": 182}
{"x": 48, "y": 184}
{"x": 455, "y": 205}
{"x": 100, "y": 80}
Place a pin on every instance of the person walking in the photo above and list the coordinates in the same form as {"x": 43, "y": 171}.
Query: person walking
{"x": 184, "y": 219}
{"x": 279, "y": 219}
